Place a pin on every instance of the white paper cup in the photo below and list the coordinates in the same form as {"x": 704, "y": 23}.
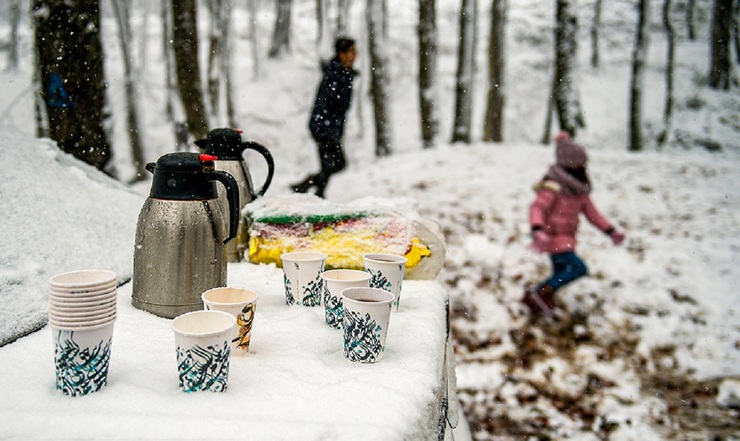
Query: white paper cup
{"x": 242, "y": 304}
{"x": 78, "y": 295}
{"x": 386, "y": 272}
{"x": 81, "y": 324}
{"x": 84, "y": 280}
{"x": 367, "y": 313}
{"x": 67, "y": 314}
{"x": 82, "y": 358}
{"x": 84, "y": 306}
{"x": 335, "y": 281}
{"x": 84, "y": 301}
{"x": 302, "y": 277}
{"x": 203, "y": 340}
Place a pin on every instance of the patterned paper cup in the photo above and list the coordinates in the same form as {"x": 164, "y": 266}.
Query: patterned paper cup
{"x": 302, "y": 277}
{"x": 334, "y": 282}
{"x": 367, "y": 313}
{"x": 386, "y": 272}
{"x": 242, "y": 304}
{"x": 203, "y": 340}
{"x": 82, "y": 358}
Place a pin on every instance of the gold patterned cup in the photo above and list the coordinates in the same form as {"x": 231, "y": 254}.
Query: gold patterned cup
{"x": 240, "y": 303}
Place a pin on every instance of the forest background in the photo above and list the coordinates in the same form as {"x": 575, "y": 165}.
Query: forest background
{"x": 486, "y": 80}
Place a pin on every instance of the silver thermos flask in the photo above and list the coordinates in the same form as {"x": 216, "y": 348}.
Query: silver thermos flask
{"x": 227, "y": 145}
{"x": 181, "y": 234}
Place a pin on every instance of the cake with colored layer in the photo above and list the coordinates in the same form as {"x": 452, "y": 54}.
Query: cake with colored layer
{"x": 344, "y": 232}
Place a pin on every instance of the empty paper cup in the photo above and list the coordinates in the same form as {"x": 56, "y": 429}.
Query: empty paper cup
{"x": 239, "y": 302}
{"x": 302, "y": 277}
{"x": 335, "y": 281}
{"x": 367, "y": 313}
{"x": 203, "y": 340}
{"x": 82, "y": 281}
{"x": 82, "y": 358}
{"x": 386, "y": 272}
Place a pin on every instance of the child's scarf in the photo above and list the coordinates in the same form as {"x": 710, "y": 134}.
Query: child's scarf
{"x": 569, "y": 183}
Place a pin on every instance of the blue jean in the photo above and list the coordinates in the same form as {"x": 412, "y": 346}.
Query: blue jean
{"x": 566, "y": 267}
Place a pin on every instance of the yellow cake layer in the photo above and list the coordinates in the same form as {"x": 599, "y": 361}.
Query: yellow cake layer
{"x": 343, "y": 248}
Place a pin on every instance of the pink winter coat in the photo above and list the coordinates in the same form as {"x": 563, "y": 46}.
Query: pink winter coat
{"x": 557, "y": 213}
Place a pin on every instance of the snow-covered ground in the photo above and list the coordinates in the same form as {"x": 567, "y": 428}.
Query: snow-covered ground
{"x": 650, "y": 347}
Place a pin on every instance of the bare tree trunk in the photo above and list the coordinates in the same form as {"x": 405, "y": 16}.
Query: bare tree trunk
{"x": 736, "y": 30}
{"x": 215, "y": 54}
{"x": 143, "y": 39}
{"x": 252, "y": 5}
{"x": 690, "y": 4}
{"x": 720, "y": 69}
{"x": 125, "y": 37}
{"x": 39, "y": 110}
{"x": 226, "y": 64}
{"x": 595, "y": 26}
{"x": 70, "y": 54}
{"x": 493, "y": 125}
{"x": 185, "y": 40}
{"x": 169, "y": 63}
{"x": 639, "y": 55}
{"x": 324, "y": 40}
{"x": 548, "y": 113}
{"x": 320, "y": 21}
{"x": 427, "y": 32}
{"x": 281, "y": 33}
{"x": 14, "y": 10}
{"x": 465, "y": 72}
{"x": 379, "y": 75}
{"x": 565, "y": 94}
{"x": 671, "y": 40}
{"x": 342, "y": 17}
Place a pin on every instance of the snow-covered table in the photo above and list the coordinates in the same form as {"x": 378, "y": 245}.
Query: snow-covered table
{"x": 294, "y": 384}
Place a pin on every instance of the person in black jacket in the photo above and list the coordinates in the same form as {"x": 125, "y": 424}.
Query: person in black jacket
{"x": 329, "y": 113}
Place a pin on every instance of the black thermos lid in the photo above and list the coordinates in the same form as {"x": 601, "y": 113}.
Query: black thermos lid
{"x": 183, "y": 176}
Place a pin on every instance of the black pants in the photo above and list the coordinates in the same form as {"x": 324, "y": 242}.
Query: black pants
{"x": 332, "y": 161}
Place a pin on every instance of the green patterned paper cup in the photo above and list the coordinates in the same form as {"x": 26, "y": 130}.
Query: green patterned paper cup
{"x": 203, "y": 340}
{"x": 302, "y": 277}
{"x": 367, "y": 313}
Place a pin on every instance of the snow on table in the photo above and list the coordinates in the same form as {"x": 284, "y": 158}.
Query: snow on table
{"x": 294, "y": 384}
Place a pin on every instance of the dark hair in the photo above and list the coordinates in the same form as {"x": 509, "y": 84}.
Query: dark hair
{"x": 343, "y": 44}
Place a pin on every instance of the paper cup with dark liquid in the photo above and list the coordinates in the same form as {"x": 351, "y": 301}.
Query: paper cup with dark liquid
{"x": 367, "y": 313}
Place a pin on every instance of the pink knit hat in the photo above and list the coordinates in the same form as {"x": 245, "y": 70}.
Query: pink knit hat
{"x": 568, "y": 153}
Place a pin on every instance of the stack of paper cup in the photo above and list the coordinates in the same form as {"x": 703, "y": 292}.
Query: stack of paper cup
{"x": 82, "y": 310}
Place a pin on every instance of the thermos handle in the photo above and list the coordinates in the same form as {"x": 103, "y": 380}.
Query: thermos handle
{"x": 232, "y": 195}
{"x": 270, "y": 164}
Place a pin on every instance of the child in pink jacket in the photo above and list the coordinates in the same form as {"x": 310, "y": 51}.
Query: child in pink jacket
{"x": 562, "y": 195}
